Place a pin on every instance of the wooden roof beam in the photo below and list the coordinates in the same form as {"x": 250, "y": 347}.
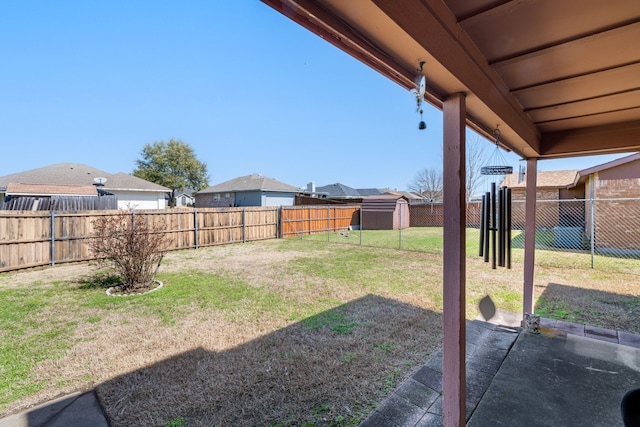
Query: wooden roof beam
{"x": 435, "y": 28}
{"x": 621, "y": 138}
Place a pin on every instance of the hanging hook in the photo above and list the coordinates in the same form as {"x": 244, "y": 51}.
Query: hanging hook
{"x": 496, "y": 132}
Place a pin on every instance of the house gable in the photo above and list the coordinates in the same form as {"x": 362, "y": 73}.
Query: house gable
{"x": 249, "y": 190}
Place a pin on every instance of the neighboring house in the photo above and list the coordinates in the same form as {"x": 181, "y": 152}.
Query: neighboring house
{"x": 551, "y": 186}
{"x": 346, "y": 194}
{"x": 617, "y": 179}
{"x": 250, "y": 190}
{"x": 185, "y": 199}
{"x": 340, "y": 192}
{"x": 45, "y": 197}
{"x": 365, "y": 192}
{"x": 610, "y": 192}
{"x": 616, "y": 187}
{"x": 44, "y": 182}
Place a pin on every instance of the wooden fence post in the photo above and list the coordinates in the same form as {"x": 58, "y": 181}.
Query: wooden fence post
{"x": 53, "y": 238}
{"x": 244, "y": 225}
{"x": 328, "y": 223}
{"x": 195, "y": 228}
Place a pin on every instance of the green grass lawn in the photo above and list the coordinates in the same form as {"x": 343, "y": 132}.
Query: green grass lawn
{"x": 59, "y": 331}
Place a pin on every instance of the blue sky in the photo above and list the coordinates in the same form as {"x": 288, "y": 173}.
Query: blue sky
{"x": 248, "y": 89}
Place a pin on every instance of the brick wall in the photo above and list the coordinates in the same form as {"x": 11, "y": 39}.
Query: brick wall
{"x": 617, "y": 221}
{"x": 547, "y": 213}
{"x": 207, "y": 200}
{"x": 617, "y": 188}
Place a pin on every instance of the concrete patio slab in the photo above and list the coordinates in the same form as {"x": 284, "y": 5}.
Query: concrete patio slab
{"x": 553, "y": 379}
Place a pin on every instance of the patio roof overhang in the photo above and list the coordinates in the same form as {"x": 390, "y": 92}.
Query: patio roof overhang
{"x": 560, "y": 78}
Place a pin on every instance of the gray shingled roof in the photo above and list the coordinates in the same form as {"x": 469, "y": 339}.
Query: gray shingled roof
{"x": 369, "y": 191}
{"x": 79, "y": 174}
{"x": 251, "y": 182}
{"x": 338, "y": 190}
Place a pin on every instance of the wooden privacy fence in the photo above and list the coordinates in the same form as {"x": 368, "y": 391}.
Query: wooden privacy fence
{"x": 38, "y": 238}
{"x": 60, "y": 203}
{"x": 31, "y": 239}
{"x": 304, "y": 220}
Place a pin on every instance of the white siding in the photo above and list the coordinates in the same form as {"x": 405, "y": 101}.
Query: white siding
{"x": 140, "y": 199}
{"x": 278, "y": 199}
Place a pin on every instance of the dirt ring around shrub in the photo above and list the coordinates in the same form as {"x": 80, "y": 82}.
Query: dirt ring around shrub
{"x": 116, "y": 291}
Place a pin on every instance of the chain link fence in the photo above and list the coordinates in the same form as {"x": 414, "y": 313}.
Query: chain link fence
{"x": 598, "y": 233}
{"x": 602, "y": 234}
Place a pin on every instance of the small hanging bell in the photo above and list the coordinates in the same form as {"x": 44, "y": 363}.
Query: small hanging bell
{"x": 422, "y": 125}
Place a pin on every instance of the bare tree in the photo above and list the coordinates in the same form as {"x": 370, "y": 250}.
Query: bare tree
{"x": 132, "y": 245}
{"x": 428, "y": 183}
{"x": 476, "y": 159}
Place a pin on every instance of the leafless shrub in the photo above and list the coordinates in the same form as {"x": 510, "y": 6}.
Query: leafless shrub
{"x": 131, "y": 245}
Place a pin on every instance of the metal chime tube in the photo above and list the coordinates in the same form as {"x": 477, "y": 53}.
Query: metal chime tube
{"x": 481, "y": 245}
{"x": 508, "y": 225}
{"x": 500, "y": 228}
{"x": 487, "y": 225}
{"x": 493, "y": 225}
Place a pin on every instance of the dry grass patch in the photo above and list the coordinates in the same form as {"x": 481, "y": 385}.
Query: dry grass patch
{"x": 278, "y": 333}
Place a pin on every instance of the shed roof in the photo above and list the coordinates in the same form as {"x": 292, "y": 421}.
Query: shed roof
{"x": 79, "y": 174}
{"x": 251, "y": 182}
{"x": 382, "y": 203}
{"x": 545, "y": 179}
{"x": 383, "y": 198}
{"x": 409, "y": 195}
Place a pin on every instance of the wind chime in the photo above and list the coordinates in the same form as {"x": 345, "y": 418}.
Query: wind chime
{"x": 495, "y": 224}
{"x": 418, "y": 92}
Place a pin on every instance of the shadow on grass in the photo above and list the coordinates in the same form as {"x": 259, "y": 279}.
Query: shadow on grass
{"x": 102, "y": 279}
{"x": 329, "y": 369}
{"x": 590, "y": 307}
{"x": 544, "y": 239}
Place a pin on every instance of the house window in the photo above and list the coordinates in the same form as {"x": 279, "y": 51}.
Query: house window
{"x": 216, "y": 197}
{"x": 184, "y": 200}
{"x": 227, "y": 195}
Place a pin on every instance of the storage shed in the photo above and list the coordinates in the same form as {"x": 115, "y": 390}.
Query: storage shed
{"x": 385, "y": 212}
